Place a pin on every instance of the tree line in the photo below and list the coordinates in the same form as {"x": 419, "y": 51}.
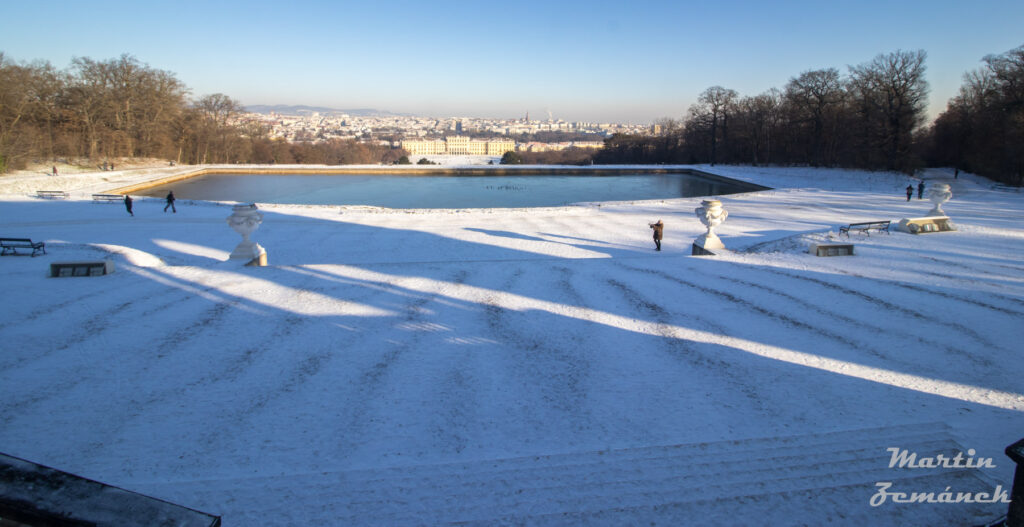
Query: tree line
{"x": 872, "y": 117}
{"x": 123, "y": 108}
{"x": 865, "y": 118}
{"x": 982, "y": 129}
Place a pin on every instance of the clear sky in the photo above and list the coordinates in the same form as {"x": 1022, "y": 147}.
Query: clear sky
{"x": 625, "y": 61}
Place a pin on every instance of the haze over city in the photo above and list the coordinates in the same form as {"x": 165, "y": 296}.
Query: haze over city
{"x": 580, "y": 61}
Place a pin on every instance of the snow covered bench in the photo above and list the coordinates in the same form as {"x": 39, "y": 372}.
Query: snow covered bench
{"x": 52, "y": 194}
{"x": 107, "y": 198}
{"x": 865, "y": 227}
{"x": 11, "y": 246}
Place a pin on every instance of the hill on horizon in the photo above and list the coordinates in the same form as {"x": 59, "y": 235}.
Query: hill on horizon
{"x": 286, "y": 109}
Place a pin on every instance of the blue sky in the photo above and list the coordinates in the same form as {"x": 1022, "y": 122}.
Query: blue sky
{"x": 581, "y": 60}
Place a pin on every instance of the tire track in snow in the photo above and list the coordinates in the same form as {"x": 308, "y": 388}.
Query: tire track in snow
{"x": 454, "y": 395}
{"x": 573, "y": 296}
{"x": 683, "y": 349}
{"x": 948, "y": 296}
{"x": 85, "y": 324}
{"x": 90, "y": 329}
{"x": 558, "y": 374}
{"x": 166, "y": 351}
{"x": 976, "y": 269}
{"x": 373, "y": 379}
{"x": 306, "y": 363}
{"x": 38, "y": 312}
{"x": 850, "y": 321}
{"x": 889, "y": 306}
{"x": 766, "y": 312}
{"x": 93, "y": 329}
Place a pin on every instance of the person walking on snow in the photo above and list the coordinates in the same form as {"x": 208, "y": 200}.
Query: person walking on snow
{"x": 920, "y": 190}
{"x": 910, "y": 192}
{"x": 170, "y": 202}
{"x": 128, "y": 204}
{"x": 658, "y": 230}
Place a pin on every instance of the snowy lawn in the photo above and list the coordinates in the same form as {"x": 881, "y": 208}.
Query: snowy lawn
{"x": 385, "y": 338}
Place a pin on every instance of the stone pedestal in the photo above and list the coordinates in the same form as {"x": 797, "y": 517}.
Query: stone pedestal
{"x": 831, "y": 249}
{"x": 927, "y": 224}
{"x": 245, "y": 219}
{"x": 97, "y": 268}
{"x": 711, "y": 214}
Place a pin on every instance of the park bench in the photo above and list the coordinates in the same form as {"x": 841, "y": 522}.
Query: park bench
{"x": 52, "y": 194}
{"x": 865, "y": 227}
{"x": 11, "y": 246}
{"x": 107, "y": 198}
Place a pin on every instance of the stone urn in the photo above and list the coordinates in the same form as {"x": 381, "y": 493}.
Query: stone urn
{"x": 711, "y": 214}
{"x": 938, "y": 193}
{"x": 245, "y": 219}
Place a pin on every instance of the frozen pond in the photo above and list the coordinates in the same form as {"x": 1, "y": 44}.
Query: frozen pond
{"x": 433, "y": 191}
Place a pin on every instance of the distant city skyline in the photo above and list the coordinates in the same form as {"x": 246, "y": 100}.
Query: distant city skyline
{"x": 594, "y": 61}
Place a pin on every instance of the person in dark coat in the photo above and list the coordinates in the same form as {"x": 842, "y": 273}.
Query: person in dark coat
{"x": 659, "y": 228}
{"x": 128, "y": 204}
{"x": 170, "y": 202}
{"x": 910, "y": 192}
{"x": 920, "y": 190}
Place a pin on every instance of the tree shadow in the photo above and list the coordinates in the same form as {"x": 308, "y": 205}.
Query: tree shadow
{"x": 460, "y": 349}
{"x": 506, "y": 234}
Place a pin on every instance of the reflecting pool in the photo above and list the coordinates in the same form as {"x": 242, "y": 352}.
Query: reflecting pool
{"x": 449, "y": 191}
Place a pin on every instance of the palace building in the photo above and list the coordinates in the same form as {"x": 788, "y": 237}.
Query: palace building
{"x": 459, "y": 145}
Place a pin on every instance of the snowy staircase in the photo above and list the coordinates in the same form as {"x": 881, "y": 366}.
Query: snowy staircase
{"x": 818, "y": 479}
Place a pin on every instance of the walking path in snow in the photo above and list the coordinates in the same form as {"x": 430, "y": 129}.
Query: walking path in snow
{"x": 430, "y": 345}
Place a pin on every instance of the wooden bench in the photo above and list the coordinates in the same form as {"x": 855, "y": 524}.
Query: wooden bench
{"x": 52, "y": 194}
{"x": 11, "y": 246}
{"x": 107, "y": 198}
{"x": 865, "y": 227}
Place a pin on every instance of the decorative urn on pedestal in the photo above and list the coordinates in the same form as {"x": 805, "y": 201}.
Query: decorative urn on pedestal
{"x": 938, "y": 193}
{"x": 245, "y": 219}
{"x": 711, "y": 214}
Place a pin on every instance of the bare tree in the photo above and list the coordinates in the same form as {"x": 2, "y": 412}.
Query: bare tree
{"x": 982, "y": 129}
{"x": 891, "y": 93}
{"x": 713, "y": 107}
{"x": 214, "y": 130}
{"x": 15, "y": 104}
{"x": 815, "y": 99}
{"x": 761, "y": 115}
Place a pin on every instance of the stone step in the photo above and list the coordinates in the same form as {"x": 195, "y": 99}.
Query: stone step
{"x": 578, "y": 482}
{"x": 716, "y": 451}
{"x": 581, "y": 495}
{"x": 536, "y": 483}
{"x": 832, "y": 505}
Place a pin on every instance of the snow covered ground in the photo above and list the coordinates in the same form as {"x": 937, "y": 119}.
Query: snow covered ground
{"x": 427, "y": 343}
